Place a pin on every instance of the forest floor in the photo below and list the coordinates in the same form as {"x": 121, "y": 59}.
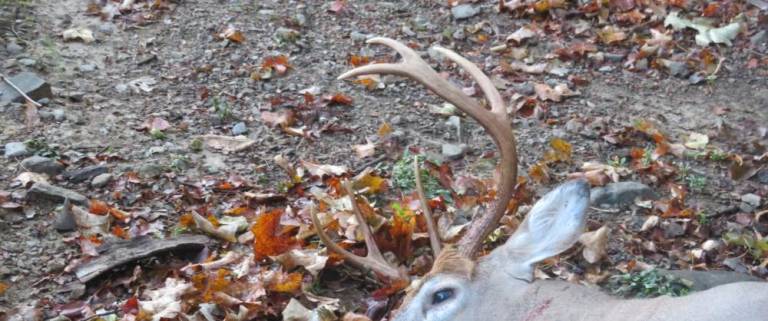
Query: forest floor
{"x": 149, "y": 108}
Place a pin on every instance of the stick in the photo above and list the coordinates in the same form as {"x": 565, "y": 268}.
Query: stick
{"x": 9, "y": 82}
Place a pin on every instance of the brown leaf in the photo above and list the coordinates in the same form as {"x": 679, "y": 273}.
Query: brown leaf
{"x": 595, "y": 244}
{"x": 286, "y": 283}
{"x": 283, "y": 119}
{"x": 322, "y": 170}
{"x": 232, "y": 34}
{"x": 610, "y": 35}
{"x": 32, "y": 117}
{"x": 338, "y": 98}
{"x": 365, "y": 150}
{"x": 384, "y": 130}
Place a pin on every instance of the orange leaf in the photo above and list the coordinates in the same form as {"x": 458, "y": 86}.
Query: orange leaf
{"x": 538, "y": 173}
{"x": 561, "y": 151}
{"x": 340, "y": 99}
{"x": 240, "y": 210}
{"x": 186, "y": 220}
{"x": 710, "y": 10}
{"x": 118, "y": 214}
{"x": 268, "y": 239}
{"x": 213, "y": 220}
{"x": 637, "y": 153}
{"x": 358, "y": 61}
{"x": 117, "y": 231}
{"x": 384, "y": 130}
{"x": 287, "y": 283}
{"x": 368, "y": 82}
{"x": 99, "y": 207}
{"x": 3, "y": 287}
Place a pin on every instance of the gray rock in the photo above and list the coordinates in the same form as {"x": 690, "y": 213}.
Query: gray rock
{"x": 749, "y": 202}
{"x": 620, "y": 194}
{"x": 101, "y": 180}
{"x": 525, "y": 89}
{"x": 762, "y": 176}
{"x": 454, "y": 151}
{"x": 703, "y": 280}
{"x": 676, "y": 68}
{"x": 28, "y": 62}
{"x": 464, "y": 11}
{"x": 121, "y": 88}
{"x": 39, "y": 164}
{"x": 150, "y": 170}
{"x": 12, "y": 48}
{"x": 758, "y": 38}
{"x": 65, "y": 221}
{"x": 573, "y": 125}
{"x": 107, "y": 28}
{"x": 85, "y": 173}
{"x": 16, "y": 149}
{"x": 239, "y": 129}
{"x": 214, "y": 163}
{"x": 673, "y": 229}
{"x": 459, "y": 34}
{"x": 58, "y": 114}
{"x": 32, "y": 85}
{"x": 46, "y": 192}
{"x": 358, "y": 36}
{"x": 86, "y": 67}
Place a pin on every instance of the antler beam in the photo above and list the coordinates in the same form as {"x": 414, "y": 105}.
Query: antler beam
{"x": 495, "y": 121}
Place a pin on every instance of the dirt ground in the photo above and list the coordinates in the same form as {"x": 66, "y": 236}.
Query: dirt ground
{"x": 202, "y": 86}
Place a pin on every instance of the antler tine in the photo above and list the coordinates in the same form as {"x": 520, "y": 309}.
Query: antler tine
{"x": 485, "y": 83}
{"x": 373, "y": 260}
{"x": 495, "y": 122}
{"x": 434, "y": 237}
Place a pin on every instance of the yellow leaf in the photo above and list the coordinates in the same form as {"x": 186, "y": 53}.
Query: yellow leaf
{"x": 561, "y": 150}
{"x": 385, "y": 129}
{"x": 287, "y": 283}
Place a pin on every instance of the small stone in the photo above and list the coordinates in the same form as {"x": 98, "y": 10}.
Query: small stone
{"x": 454, "y": 151}
{"x": 86, "y": 67}
{"x": 287, "y": 34}
{"x": 459, "y": 34}
{"x": 676, "y": 68}
{"x": 573, "y": 126}
{"x": 58, "y": 114}
{"x": 12, "y": 48}
{"x": 32, "y": 85}
{"x": 612, "y": 57}
{"x": 710, "y": 245}
{"x": 749, "y": 202}
{"x": 758, "y": 38}
{"x": 239, "y": 129}
{"x": 16, "y": 149}
{"x": 107, "y": 28}
{"x": 85, "y": 173}
{"x": 673, "y": 229}
{"x": 150, "y": 170}
{"x": 29, "y": 62}
{"x": 101, "y": 180}
{"x": 464, "y": 11}
{"x": 65, "y": 221}
{"x": 121, "y": 88}
{"x": 621, "y": 193}
{"x": 44, "y": 101}
{"x": 525, "y": 88}
{"x": 762, "y": 176}
{"x": 43, "y": 191}
{"x": 358, "y": 36}
{"x": 39, "y": 164}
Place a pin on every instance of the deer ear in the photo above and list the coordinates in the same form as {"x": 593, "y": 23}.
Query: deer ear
{"x": 554, "y": 223}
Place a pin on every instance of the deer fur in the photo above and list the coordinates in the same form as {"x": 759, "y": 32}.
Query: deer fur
{"x": 500, "y": 286}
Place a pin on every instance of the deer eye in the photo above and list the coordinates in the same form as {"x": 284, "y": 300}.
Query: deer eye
{"x": 441, "y": 296}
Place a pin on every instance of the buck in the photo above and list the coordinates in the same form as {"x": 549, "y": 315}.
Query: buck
{"x": 500, "y": 285}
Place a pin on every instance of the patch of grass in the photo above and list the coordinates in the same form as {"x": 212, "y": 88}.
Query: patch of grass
{"x": 221, "y": 108}
{"x": 717, "y": 155}
{"x": 616, "y": 161}
{"x": 196, "y": 145}
{"x": 41, "y": 148}
{"x": 694, "y": 181}
{"x": 648, "y": 284}
{"x": 157, "y": 134}
{"x": 702, "y": 217}
{"x": 404, "y": 178}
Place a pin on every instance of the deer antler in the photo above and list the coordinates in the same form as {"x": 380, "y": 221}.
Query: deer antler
{"x": 373, "y": 259}
{"x": 495, "y": 121}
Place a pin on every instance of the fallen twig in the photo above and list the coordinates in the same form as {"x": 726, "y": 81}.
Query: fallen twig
{"x": 10, "y": 83}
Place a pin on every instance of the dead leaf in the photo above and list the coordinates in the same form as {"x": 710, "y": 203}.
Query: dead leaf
{"x": 595, "y": 244}
{"x": 227, "y": 143}
{"x": 80, "y": 33}
{"x": 366, "y": 150}
{"x": 611, "y": 34}
{"x": 165, "y": 303}
{"x": 90, "y": 224}
{"x": 310, "y": 259}
{"x": 282, "y": 119}
{"x": 323, "y": 170}
{"x": 225, "y": 232}
{"x": 31, "y": 116}
{"x": 384, "y": 130}
{"x": 294, "y": 311}
{"x": 521, "y": 34}
{"x": 232, "y": 34}
{"x": 697, "y": 141}
{"x": 545, "y": 92}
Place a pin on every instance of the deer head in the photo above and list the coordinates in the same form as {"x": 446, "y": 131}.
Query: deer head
{"x": 500, "y": 286}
